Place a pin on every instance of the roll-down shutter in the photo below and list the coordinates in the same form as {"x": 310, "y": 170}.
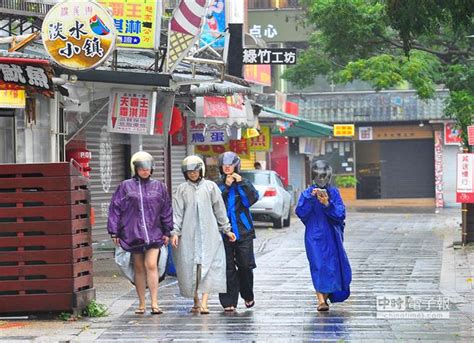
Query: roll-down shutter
{"x": 108, "y": 169}
{"x": 178, "y": 153}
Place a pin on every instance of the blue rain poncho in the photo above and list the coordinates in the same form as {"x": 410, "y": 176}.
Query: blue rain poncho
{"x": 330, "y": 269}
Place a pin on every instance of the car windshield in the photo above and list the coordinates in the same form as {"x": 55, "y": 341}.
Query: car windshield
{"x": 258, "y": 178}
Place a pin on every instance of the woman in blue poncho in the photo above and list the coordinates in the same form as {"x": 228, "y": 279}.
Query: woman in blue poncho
{"x": 321, "y": 209}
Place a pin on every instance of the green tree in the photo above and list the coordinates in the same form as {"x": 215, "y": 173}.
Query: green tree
{"x": 388, "y": 42}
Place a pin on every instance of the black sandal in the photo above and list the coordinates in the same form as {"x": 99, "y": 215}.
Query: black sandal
{"x": 323, "y": 307}
{"x": 156, "y": 310}
{"x": 250, "y": 304}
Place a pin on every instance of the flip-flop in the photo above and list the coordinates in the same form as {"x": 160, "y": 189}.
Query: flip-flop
{"x": 204, "y": 310}
{"x": 323, "y": 307}
{"x": 156, "y": 310}
{"x": 140, "y": 311}
{"x": 229, "y": 309}
{"x": 249, "y": 304}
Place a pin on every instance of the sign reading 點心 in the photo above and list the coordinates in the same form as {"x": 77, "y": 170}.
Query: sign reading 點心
{"x": 78, "y": 35}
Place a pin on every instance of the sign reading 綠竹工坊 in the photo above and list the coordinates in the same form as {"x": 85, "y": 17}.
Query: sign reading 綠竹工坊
{"x": 132, "y": 111}
{"x": 137, "y": 22}
{"x": 78, "y": 35}
{"x": 269, "y": 56}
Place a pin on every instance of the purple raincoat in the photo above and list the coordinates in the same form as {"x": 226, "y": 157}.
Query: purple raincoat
{"x": 137, "y": 229}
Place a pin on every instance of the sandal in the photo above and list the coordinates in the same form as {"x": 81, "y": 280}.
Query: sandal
{"x": 195, "y": 309}
{"x": 229, "y": 309}
{"x": 249, "y": 304}
{"x": 204, "y": 310}
{"x": 156, "y": 310}
{"x": 140, "y": 311}
{"x": 323, "y": 307}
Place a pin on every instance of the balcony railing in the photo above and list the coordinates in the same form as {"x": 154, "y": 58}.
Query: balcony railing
{"x": 269, "y": 4}
{"x": 359, "y": 107}
{"x": 35, "y": 8}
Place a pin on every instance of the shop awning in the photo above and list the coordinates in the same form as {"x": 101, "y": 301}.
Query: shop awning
{"x": 298, "y": 127}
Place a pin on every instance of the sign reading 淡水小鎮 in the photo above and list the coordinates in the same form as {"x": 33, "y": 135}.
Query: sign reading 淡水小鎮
{"x": 78, "y": 35}
{"x": 269, "y": 56}
{"x": 132, "y": 111}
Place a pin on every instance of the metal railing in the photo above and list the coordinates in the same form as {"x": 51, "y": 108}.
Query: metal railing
{"x": 35, "y": 8}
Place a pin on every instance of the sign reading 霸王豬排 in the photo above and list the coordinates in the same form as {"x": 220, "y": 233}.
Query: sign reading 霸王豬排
{"x": 78, "y": 35}
{"x": 269, "y": 56}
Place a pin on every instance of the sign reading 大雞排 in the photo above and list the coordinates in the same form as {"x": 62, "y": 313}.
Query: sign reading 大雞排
{"x": 78, "y": 35}
{"x": 132, "y": 111}
{"x": 269, "y": 56}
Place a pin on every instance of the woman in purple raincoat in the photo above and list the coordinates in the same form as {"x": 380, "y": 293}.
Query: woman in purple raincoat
{"x": 140, "y": 221}
{"x": 322, "y": 211}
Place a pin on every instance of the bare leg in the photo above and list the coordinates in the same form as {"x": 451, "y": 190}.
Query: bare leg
{"x": 197, "y": 302}
{"x": 151, "y": 267}
{"x": 205, "y": 297}
{"x": 140, "y": 280}
{"x": 323, "y": 306}
{"x": 321, "y": 298}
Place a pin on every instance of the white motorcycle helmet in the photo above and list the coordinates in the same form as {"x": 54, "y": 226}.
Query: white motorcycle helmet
{"x": 192, "y": 163}
{"x": 141, "y": 159}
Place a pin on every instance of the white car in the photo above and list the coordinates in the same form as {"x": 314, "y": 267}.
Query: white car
{"x": 274, "y": 201}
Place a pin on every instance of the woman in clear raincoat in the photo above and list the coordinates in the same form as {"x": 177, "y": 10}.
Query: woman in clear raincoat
{"x": 321, "y": 209}
{"x": 199, "y": 218}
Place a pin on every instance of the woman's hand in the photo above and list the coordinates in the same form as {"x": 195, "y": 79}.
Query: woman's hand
{"x": 174, "y": 241}
{"x": 229, "y": 180}
{"x": 116, "y": 241}
{"x": 323, "y": 198}
{"x": 166, "y": 240}
{"x": 231, "y": 236}
{"x": 237, "y": 177}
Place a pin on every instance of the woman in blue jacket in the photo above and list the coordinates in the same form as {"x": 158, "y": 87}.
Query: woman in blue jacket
{"x": 238, "y": 194}
{"x": 321, "y": 209}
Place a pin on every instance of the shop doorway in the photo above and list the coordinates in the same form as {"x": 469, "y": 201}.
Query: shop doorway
{"x": 7, "y": 136}
{"x": 368, "y": 167}
{"x": 395, "y": 169}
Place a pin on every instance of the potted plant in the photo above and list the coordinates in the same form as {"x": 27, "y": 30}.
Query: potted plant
{"x": 347, "y": 186}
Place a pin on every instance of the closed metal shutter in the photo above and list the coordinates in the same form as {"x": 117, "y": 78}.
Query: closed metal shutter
{"x": 178, "y": 153}
{"x": 407, "y": 168}
{"x": 108, "y": 169}
{"x": 155, "y": 145}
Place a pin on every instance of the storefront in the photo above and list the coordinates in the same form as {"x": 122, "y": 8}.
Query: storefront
{"x": 29, "y": 131}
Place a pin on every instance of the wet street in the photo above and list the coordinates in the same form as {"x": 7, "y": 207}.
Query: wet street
{"x": 393, "y": 256}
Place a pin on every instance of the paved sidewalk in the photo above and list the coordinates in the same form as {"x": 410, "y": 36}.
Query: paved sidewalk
{"x": 392, "y": 255}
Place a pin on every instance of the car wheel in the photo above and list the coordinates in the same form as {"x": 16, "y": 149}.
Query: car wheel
{"x": 278, "y": 223}
{"x": 287, "y": 221}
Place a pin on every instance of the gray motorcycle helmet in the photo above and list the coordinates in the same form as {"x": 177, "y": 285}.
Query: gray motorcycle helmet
{"x": 321, "y": 173}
